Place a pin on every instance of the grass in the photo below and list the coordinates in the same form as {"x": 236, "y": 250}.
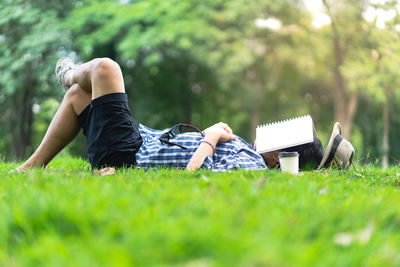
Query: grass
{"x": 67, "y": 216}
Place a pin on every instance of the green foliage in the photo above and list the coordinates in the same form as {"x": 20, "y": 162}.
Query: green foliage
{"x": 65, "y": 215}
{"x": 29, "y": 35}
{"x": 30, "y": 38}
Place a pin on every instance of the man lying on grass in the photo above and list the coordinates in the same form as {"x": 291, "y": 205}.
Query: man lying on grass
{"x": 96, "y": 102}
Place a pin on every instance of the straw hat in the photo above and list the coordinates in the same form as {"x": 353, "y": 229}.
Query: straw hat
{"x": 338, "y": 150}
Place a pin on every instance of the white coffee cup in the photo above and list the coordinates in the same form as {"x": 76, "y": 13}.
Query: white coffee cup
{"x": 289, "y": 162}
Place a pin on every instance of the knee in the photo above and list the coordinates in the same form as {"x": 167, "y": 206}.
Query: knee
{"x": 76, "y": 92}
{"x": 105, "y": 66}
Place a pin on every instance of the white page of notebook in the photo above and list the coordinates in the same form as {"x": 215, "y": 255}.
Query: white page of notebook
{"x": 284, "y": 134}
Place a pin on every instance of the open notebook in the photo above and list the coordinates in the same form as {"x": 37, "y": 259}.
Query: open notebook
{"x": 284, "y": 134}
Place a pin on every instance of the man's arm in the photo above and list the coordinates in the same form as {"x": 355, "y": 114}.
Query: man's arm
{"x": 215, "y": 134}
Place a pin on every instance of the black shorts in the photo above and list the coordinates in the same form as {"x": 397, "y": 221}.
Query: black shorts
{"x": 112, "y": 135}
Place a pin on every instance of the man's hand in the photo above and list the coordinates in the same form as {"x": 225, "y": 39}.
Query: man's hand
{"x": 219, "y": 133}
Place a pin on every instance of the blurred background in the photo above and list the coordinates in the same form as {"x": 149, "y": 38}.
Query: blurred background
{"x": 244, "y": 62}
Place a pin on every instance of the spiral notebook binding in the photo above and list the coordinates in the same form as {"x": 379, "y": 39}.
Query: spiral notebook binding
{"x": 282, "y": 121}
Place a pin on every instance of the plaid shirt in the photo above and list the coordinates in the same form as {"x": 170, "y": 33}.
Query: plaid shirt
{"x": 231, "y": 155}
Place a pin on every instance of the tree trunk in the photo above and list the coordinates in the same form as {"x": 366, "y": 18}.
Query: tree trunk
{"x": 21, "y": 118}
{"x": 13, "y": 128}
{"x": 347, "y": 121}
{"x": 339, "y": 86}
{"x": 345, "y": 106}
{"x": 385, "y": 138}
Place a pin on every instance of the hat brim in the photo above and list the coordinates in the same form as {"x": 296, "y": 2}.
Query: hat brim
{"x": 337, "y": 130}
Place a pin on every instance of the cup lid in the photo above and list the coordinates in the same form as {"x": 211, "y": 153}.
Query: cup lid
{"x": 288, "y": 154}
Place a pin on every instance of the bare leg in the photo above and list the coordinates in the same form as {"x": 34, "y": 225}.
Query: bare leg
{"x": 88, "y": 81}
{"x": 63, "y": 128}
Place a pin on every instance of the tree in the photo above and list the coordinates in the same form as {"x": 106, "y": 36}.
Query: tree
{"x": 349, "y": 31}
{"x": 373, "y": 70}
{"x": 30, "y": 37}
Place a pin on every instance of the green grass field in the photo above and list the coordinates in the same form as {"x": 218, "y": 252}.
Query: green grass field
{"x": 67, "y": 216}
